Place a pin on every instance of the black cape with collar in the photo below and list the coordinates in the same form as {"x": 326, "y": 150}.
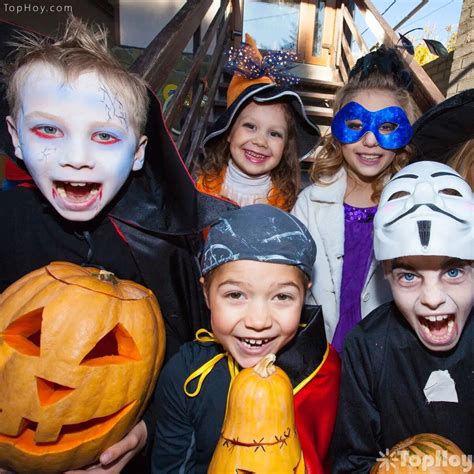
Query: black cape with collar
{"x": 385, "y": 369}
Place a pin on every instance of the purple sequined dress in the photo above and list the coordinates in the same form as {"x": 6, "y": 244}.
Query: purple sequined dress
{"x": 358, "y": 249}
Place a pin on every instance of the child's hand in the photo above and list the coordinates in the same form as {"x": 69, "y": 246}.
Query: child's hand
{"x": 115, "y": 458}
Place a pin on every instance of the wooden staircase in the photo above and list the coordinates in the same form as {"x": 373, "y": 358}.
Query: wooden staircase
{"x": 208, "y": 89}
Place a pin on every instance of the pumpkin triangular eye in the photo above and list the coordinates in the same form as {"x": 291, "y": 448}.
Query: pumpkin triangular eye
{"x": 116, "y": 347}
{"x": 24, "y": 334}
{"x": 50, "y": 392}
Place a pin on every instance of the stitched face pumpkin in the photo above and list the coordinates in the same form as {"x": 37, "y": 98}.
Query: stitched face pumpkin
{"x": 80, "y": 351}
{"x": 259, "y": 433}
{"x": 425, "y": 452}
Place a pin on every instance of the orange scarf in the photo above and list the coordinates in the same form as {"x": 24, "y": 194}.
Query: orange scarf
{"x": 213, "y": 185}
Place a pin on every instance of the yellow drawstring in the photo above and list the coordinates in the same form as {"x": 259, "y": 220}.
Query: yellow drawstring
{"x": 202, "y": 335}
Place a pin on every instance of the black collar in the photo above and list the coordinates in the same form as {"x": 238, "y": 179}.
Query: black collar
{"x": 300, "y": 358}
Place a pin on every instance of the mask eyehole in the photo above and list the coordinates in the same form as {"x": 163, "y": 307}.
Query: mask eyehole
{"x": 398, "y": 194}
{"x": 450, "y": 192}
{"x": 387, "y": 128}
{"x": 354, "y": 124}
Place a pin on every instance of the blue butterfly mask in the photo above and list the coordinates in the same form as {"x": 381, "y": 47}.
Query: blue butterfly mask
{"x": 390, "y": 126}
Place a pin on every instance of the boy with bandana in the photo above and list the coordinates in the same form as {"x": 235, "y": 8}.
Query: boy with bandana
{"x": 256, "y": 268}
{"x": 407, "y": 368}
{"x": 81, "y": 125}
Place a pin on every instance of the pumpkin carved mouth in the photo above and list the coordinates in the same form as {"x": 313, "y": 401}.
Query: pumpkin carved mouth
{"x": 258, "y": 444}
{"x": 69, "y": 437}
{"x": 83, "y": 348}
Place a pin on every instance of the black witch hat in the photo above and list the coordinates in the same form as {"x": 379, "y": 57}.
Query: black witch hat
{"x": 439, "y": 132}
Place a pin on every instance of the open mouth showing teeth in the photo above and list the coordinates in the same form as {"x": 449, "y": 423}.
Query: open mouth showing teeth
{"x": 77, "y": 191}
{"x": 437, "y": 328}
{"x": 251, "y": 155}
{"x": 256, "y": 342}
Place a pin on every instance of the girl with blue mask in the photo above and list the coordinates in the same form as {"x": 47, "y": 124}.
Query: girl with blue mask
{"x": 369, "y": 141}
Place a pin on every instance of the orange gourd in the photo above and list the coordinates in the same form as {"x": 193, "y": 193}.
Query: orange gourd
{"x": 259, "y": 433}
{"x": 425, "y": 452}
{"x": 80, "y": 351}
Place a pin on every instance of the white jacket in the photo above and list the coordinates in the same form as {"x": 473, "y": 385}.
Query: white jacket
{"x": 321, "y": 209}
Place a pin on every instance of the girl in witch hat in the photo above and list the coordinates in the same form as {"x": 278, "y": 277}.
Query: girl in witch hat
{"x": 252, "y": 152}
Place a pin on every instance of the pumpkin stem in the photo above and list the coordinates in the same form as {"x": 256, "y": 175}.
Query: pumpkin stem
{"x": 104, "y": 275}
{"x": 265, "y": 366}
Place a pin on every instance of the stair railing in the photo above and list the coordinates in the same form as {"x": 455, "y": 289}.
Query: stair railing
{"x": 160, "y": 57}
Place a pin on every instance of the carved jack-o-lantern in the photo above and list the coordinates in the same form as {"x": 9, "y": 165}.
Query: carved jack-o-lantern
{"x": 259, "y": 433}
{"x": 80, "y": 351}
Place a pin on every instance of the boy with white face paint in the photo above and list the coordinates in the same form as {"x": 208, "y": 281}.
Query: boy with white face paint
{"x": 77, "y": 138}
{"x": 80, "y": 123}
{"x": 407, "y": 367}
{"x": 77, "y": 122}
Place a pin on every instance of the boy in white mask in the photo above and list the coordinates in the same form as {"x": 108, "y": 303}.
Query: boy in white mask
{"x": 407, "y": 367}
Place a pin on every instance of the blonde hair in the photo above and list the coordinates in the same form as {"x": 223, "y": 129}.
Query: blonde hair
{"x": 463, "y": 160}
{"x": 80, "y": 48}
{"x": 330, "y": 158}
{"x": 285, "y": 177}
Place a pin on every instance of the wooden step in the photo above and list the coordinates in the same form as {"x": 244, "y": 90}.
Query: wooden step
{"x": 320, "y": 84}
{"x": 316, "y": 95}
{"x": 314, "y": 111}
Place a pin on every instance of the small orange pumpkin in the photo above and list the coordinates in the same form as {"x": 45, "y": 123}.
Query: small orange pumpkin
{"x": 80, "y": 351}
{"x": 425, "y": 452}
{"x": 259, "y": 432}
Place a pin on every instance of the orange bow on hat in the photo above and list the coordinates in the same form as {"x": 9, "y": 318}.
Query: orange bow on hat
{"x": 240, "y": 82}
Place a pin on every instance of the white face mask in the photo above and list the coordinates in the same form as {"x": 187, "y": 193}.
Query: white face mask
{"x": 426, "y": 209}
{"x": 76, "y": 140}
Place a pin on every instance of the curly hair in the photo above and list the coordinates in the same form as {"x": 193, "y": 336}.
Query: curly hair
{"x": 285, "y": 177}
{"x": 330, "y": 159}
{"x": 463, "y": 161}
{"x": 79, "y": 48}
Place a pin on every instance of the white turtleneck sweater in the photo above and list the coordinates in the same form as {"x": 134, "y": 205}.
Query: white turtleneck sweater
{"x": 245, "y": 189}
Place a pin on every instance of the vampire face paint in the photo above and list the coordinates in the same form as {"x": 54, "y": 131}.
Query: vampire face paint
{"x": 390, "y": 125}
{"x": 434, "y": 294}
{"x": 76, "y": 140}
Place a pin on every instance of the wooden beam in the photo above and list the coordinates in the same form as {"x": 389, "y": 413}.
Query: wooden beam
{"x": 237, "y": 22}
{"x": 215, "y": 69}
{"x": 337, "y": 37}
{"x": 159, "y": 57}
{"x": 347, "y": 52}
{"x": 353, "y": 28}
{"x": 426, "y": 92}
